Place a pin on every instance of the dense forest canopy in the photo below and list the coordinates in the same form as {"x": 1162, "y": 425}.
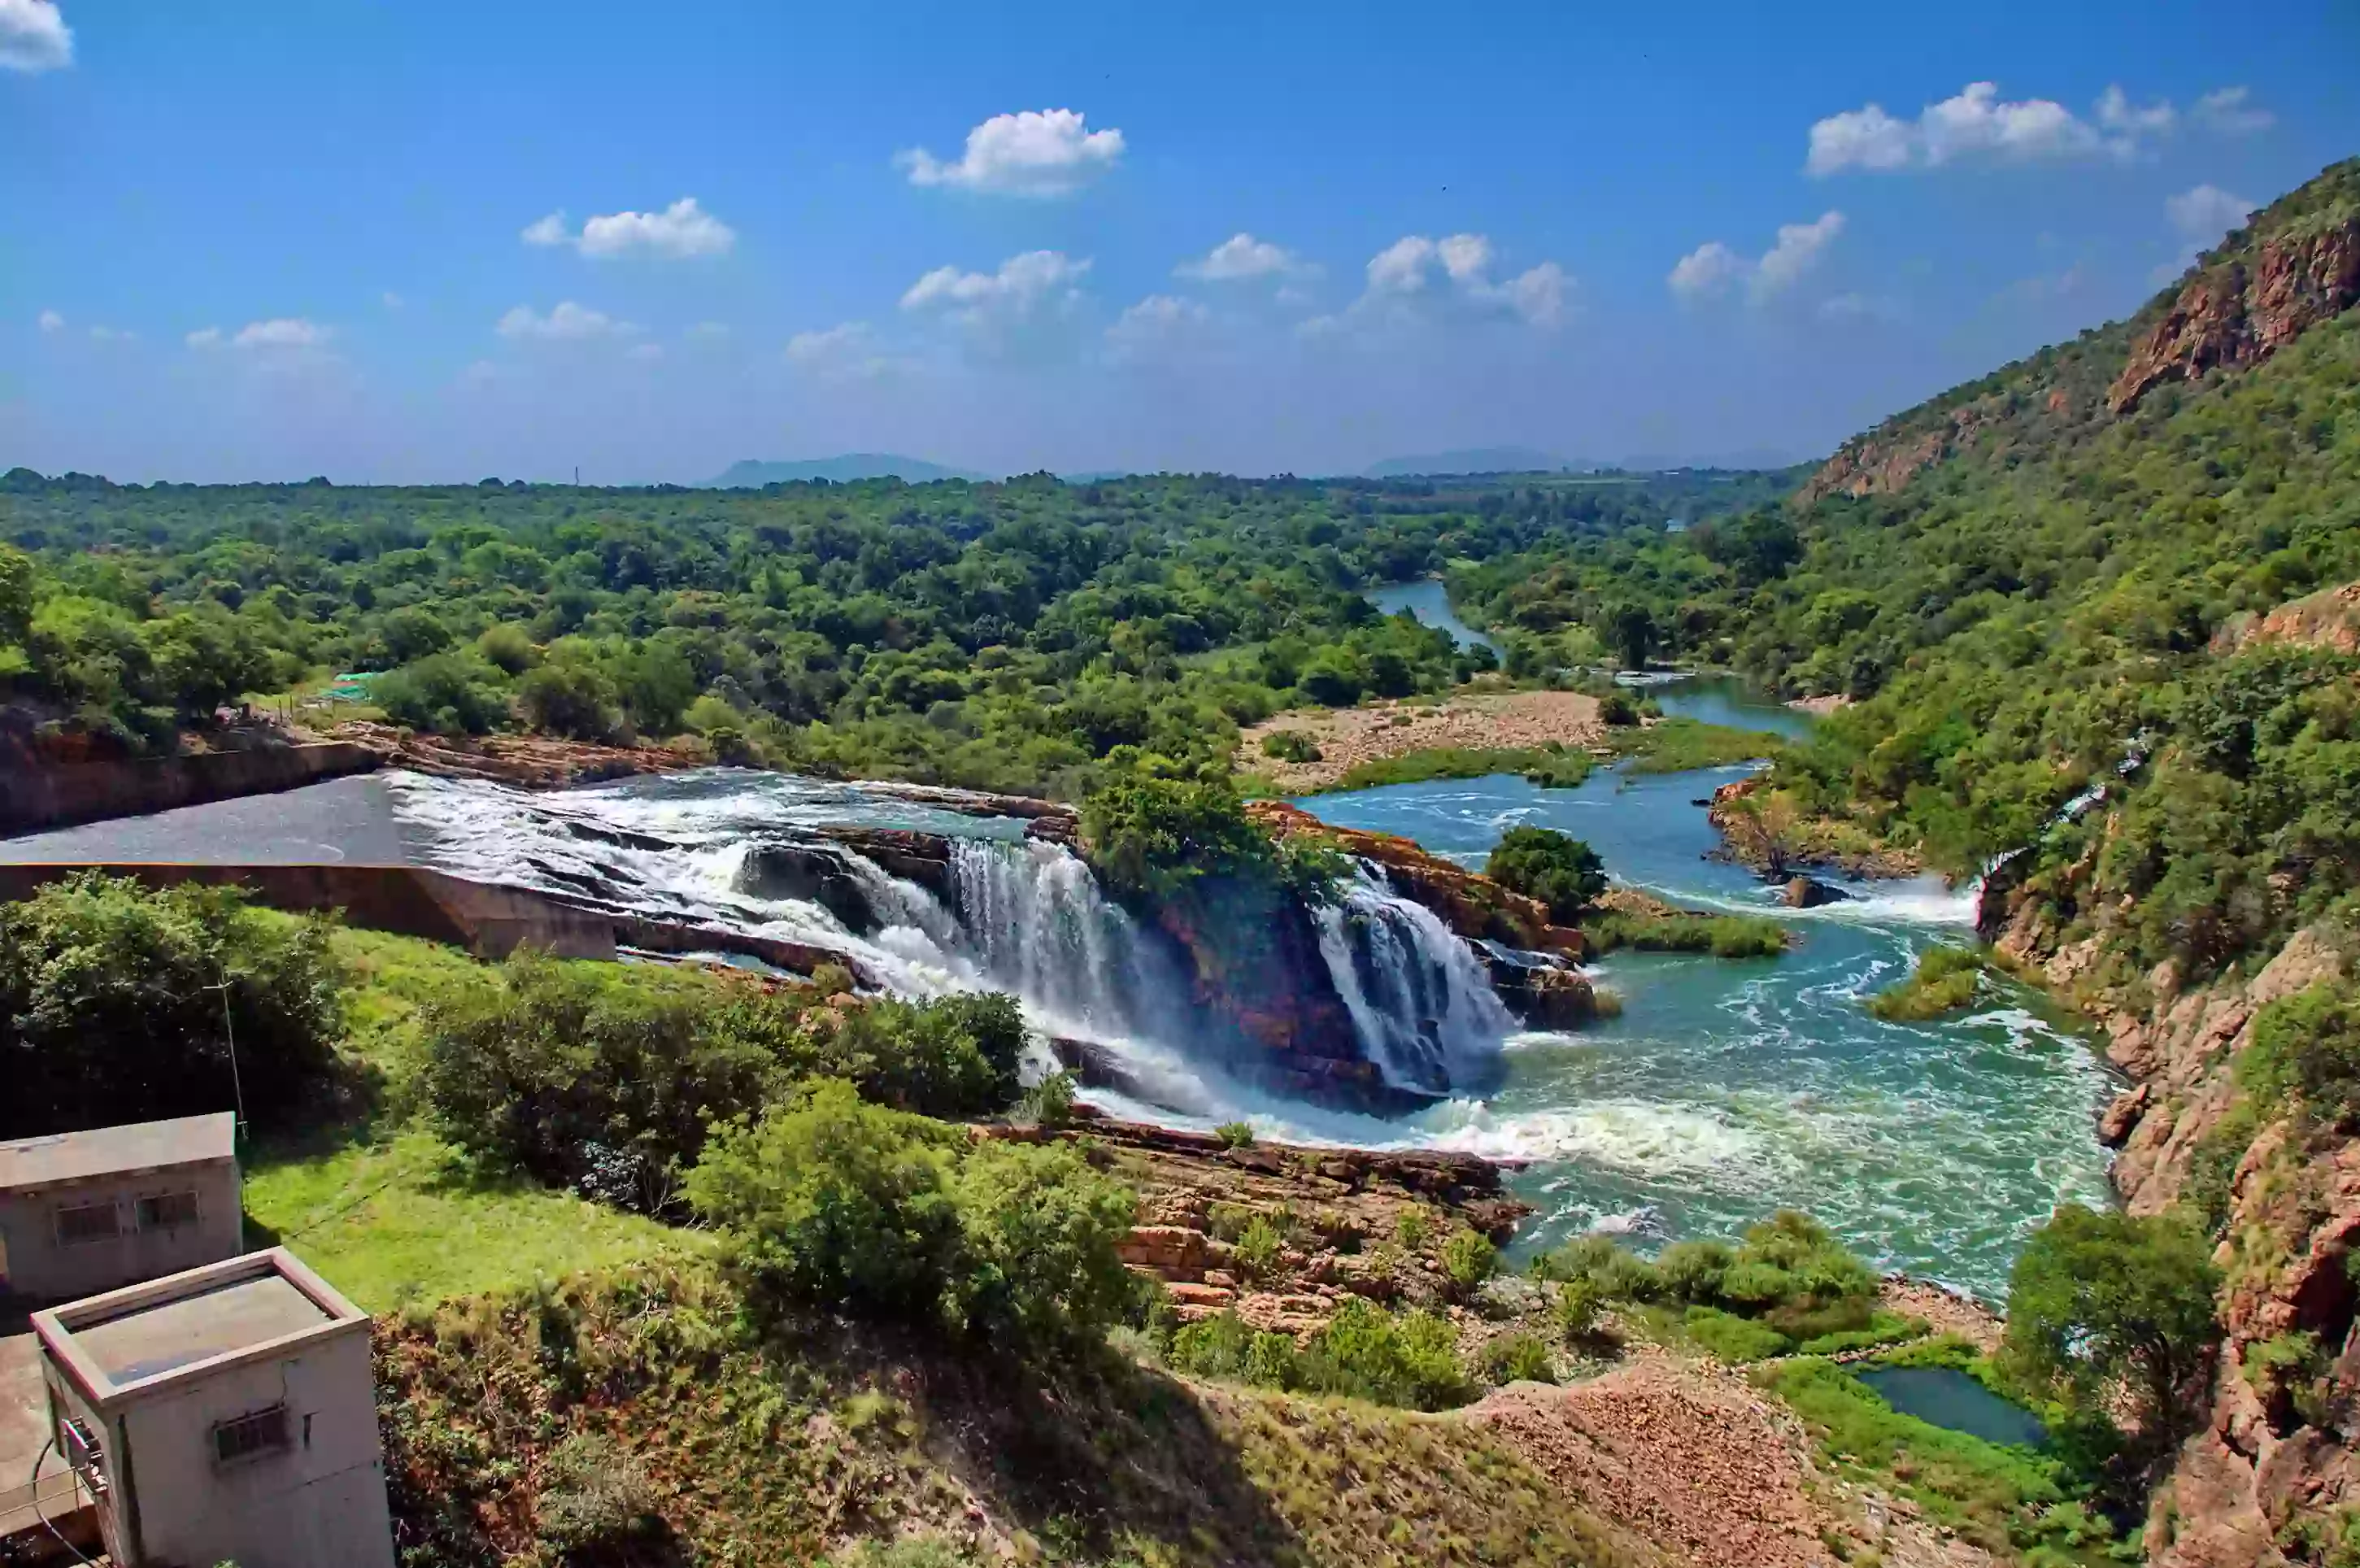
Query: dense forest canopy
{"x": 1005, "y": 635}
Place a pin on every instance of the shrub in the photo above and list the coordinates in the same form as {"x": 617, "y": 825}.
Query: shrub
{"x": 1040, "y": 1230}
{"x": 1289, "y": 746}
{"x": 1732, "y": 1338}
{"x": 446, "y": 694}
{"x": 1722, "y": 936}
{"x": 1153, "y": 836}
{"x": 830, "y": 1202}
{"x": 1258, "y": 1246}
{"x": 113, "y": 1006}
{"x": 594, "y": 1499}
{"x": 1050, "y": 1102}
{"x": 1518, "y": 1358}
{"x": 1615, "y": 1274}
{"x": 833, "y": 1203}
{"x": 2101, "y": 1301}
{"x": 2305, "y": 1047}
{"x": 507, "y": 647}
{"x": 1693, "y": 1270}
{"x": 1576, "y": 1308}
{"x": 1235, "y": 1134}
{"x": 954, "y": 1057}
{"x": 1558, "y": 870}
{"x": 1468, "y": 1260}
{"x": 591, "y": 1075}
{"x": 1944, "y": 980}
{"x": 568, "y": 695}
{"x": 1412, "y": 1227}
{"x": 1616, "y": 710}
{"x": 1410, "y": 1359}
{"x": 832, "y": 980}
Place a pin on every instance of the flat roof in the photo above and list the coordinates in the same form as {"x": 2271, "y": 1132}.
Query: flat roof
{"x": 220, "y": 1320}
{"x": 143, "y": 1338}
{"x": 110, "y": 1151}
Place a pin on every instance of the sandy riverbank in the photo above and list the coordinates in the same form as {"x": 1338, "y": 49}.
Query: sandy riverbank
{"x": 1348, "y": 737}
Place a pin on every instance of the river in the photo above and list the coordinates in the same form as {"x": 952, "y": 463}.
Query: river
{"x": 1724, "y": 1089}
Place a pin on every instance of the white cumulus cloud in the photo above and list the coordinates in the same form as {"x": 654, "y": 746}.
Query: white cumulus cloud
{"x": 205, "y": 337}
{"x": 1977, "y": 122}
{"x": 1021, "y": 286}
{"x": 1242, "y": 256}
{"x": 1457, "y": 269}
{"x": 2206, "y": 212}
{"x": 680, "y": 231}
{"x": 281, "y": 331}
{"x": 1158, "y": 324}
{"x": 2232, "y": 112}
{"x": 565, "y": 323}
{"x": 49, "y": 320}
{"x": 1713, "y": 268}
{"x": 1038, "y": 152}
{"x": 34, "y": 36}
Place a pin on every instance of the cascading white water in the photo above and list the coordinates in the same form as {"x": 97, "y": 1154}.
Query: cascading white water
{"x": 1420, "y": 1001}
{"x": 1035, "y": 919}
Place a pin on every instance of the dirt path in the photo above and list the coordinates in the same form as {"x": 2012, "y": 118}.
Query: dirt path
{"x": 1692, "y": 1458}
{"x": 1349, "y": 736}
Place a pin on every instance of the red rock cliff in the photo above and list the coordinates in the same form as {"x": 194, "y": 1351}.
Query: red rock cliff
{"x": 2240, "y": 313}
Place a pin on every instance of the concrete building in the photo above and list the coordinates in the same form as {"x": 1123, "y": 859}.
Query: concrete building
{"x": 224, "y": 1414}
{"x": 82, "y": 1212}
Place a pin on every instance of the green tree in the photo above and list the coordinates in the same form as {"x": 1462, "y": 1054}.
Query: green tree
{"x": 2105, "y": 1300}
{"x": 448, "y": 694}
{"x": 1555, "y": 867}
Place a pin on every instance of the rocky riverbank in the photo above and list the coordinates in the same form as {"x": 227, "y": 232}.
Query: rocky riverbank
{"x": 2289, "y": 1202}
{"x": 1766, "y": 836}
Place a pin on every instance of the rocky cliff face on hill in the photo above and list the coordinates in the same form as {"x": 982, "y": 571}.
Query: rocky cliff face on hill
{"x": 2296, "y": 266}
{"x": 2274, "y": 1462}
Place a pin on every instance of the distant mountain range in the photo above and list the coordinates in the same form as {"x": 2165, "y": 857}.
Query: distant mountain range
{"x": 1472, "y": 460}
{"x": 752, "y": 475}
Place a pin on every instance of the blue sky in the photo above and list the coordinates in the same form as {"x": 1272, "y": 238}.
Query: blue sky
{"x": 423, "y": 241}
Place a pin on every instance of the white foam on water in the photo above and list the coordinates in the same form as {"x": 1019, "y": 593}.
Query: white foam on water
{"x": 1640, "y": 1137}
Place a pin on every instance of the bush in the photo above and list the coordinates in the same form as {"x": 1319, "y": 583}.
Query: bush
{"x": 1944, "y": 980}
{"x": 1040, "y": 1230}
{"x": 1518, "y": 1358}
{"x": 1615, "y": 1275}
{"x": 1258, "y": 1246}
{"x": 1413, "y": 1226}
{"x": 1289, "y": 746}
{"x": 445, "y": 694}
{"x": 112, "y": 1006}
{"x": 1576, "y": 1308}
{"x": 1153, "y": 836}
{"x": 1733, "y": 1339}
{"x": 2306, "y": 1048}
{"x": 1468, "y": 1260}
{"x": 1235, "y": 1134}
{"x": 1722, "y": 936}
{"x": 594, "y": 1499}
{"x": 507, "y": 648}
{"x": 1050, "y": 1102}
{"x": 1410, "y": 1359}
{"x": 1558, "y": 870}
{"x": 569, "y": 696}
{"x": 2099, "y": 1301}
{"x": 1616, "y": 710}
{"x": 606, "y": 1078}
{"x": 833, "y": 1203}
{"x": 1693, "y": 1270}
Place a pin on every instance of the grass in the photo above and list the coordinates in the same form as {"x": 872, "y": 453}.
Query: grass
{"x": 818, "y": 1438}
{"x": 1684, "y": 745}
{"x": 402, "y": 1221}
{"x": 2003, "y": 1499}
{"x": 1944, "y": 981}
{"x": 1722, "y": 936}
{"x": 1549, "y": 768}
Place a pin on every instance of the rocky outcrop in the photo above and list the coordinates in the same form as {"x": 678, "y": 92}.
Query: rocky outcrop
{"x": 1474, "y": 907}
{"x": 1810, "y": 892}
{"x": 2329, "y": 620}
{"x": 2243, "y": 309}
{"x": 1885, "y": 460}
{"x": 525, "y": 762}
{"x": 1779, "y": 845}
{"x": 2257, "y": 1467}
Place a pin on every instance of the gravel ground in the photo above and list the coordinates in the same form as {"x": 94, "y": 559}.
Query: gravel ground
{"x": 1349, "y": 736}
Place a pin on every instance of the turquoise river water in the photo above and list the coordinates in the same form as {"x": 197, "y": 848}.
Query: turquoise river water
{"x": 1726, "y": 1087}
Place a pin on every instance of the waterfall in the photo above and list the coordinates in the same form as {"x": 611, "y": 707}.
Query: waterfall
{"x": 1421, "y": 1003}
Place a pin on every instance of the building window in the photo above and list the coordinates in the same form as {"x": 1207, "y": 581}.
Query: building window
{"x": 87, "y": 1222}
{"x": 165, "y": 1211}
{"x": 256, "y": 1432}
